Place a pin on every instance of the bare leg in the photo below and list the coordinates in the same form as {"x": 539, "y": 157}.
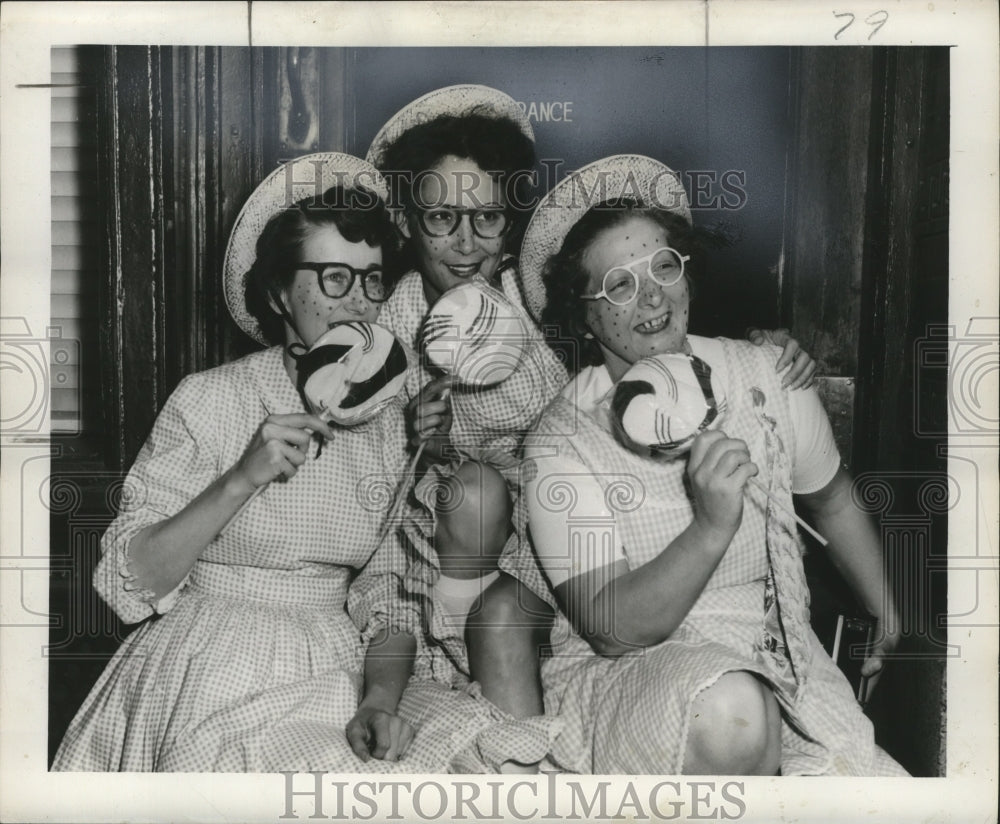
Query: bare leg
{"x": 505, "y": 631}
{"x": 507, "y": 624}
{"x": 474, "y": 511}
{"x": 735, "y": 729}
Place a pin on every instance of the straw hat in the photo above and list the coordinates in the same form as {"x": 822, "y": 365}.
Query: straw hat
{"x": 640, "y": 178}
{"x": 451, "y": 100}
{"x": 307, "y": 176}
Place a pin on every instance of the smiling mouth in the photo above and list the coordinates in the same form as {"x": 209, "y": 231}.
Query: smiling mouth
{"x": 463, "y": 270}
{"x": 655, "y": 325}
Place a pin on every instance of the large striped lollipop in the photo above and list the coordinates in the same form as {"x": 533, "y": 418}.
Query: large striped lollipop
{"x": 352, "y": 372}
{"x": 475, "y": 334}
{"x": 664, "y": 402}
{"x": 349, "y": 375}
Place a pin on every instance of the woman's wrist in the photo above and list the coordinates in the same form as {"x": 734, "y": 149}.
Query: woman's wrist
{"x": 378, "y": 697}
{"x": 710, "y": 537}
{"x": 437, "y": 449}
{"x": 237, "y": 484}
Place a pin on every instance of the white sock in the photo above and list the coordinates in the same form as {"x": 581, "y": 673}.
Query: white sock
{"x": 455, "y": 596}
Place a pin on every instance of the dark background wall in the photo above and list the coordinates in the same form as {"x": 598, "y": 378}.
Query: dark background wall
{"x": 703, "y": 112}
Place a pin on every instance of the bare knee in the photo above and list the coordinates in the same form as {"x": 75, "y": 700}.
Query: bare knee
{"x": 735, "y": 728}
{"x": 508, "y": 618}
{"x": 474, "y": 512}
{"x": 474, "y": 486}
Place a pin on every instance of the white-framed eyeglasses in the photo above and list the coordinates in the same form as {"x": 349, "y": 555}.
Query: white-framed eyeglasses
{"x": 621, "y": 283}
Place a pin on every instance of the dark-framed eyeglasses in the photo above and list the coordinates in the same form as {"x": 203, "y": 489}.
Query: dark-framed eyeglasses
{"x": 337, "y": 279}
{"x": 621, "y": 283}
{"x": 441, "y": 221}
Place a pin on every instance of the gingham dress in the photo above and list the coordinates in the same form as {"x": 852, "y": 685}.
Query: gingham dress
{"x": 257, "y": 637}
{"x": 631, "y": 714}
{"x": 488, "y": 426}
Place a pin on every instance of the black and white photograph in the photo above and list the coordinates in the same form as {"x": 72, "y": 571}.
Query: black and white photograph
{"x": 532, "y": 411}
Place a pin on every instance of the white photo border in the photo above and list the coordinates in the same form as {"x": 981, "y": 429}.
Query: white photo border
{"x": 28, "y": 792}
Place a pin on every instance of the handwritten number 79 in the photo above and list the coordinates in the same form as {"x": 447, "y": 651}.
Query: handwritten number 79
{"x": 876, "y": 20}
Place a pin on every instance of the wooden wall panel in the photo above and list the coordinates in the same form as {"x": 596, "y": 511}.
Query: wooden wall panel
{"x": 133, "y": 306}
{"x": 828, "y": 158}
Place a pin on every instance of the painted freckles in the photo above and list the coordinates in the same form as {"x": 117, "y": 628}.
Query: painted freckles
{"x": 447, "y": 261}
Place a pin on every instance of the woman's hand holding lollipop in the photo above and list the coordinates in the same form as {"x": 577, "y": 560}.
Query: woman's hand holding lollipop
{"x": 279, "y": 448}
{"x": 277, "y": 451}
{"x": 719, "y": 468}
{"x": 666, "y": 404}
{"x": 429, "y": 416}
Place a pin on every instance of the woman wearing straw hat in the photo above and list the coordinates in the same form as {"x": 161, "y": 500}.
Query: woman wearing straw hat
{"x": 220, "y": 541}
{"x": 704, "y": 661}
{"x": 459, "y": 161}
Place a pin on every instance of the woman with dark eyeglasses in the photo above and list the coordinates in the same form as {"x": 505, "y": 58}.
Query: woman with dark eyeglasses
{"x": 244, "y": 597}
{"x": 458, "y": 162}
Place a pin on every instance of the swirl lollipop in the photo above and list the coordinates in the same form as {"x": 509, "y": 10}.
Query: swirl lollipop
{"x": 352, "y": 372}
{"x": 475, "y": 334}
{"x": 664, "y": 402}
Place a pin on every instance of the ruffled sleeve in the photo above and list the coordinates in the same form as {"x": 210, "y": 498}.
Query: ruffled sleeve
{"x": 178, "y": 460}
{"x": 378, "y": 598}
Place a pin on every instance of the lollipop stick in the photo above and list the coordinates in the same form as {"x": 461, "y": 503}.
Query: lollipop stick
{"x": 401, "y": 494}
{"x": 405, "y": 486}
{"x": 787, "y": 511}
{"x": 239, "y": 511}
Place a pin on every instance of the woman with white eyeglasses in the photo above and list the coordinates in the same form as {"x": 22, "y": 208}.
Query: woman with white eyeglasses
{"x": 685, "y": 644}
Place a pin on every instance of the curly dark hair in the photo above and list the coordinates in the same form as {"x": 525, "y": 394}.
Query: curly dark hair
{"x": 495, "y": 144}
{"x": 566, "y": 279}
{"x": 357, "y": 214}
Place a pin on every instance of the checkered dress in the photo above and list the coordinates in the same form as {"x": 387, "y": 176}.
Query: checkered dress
{"x": 211, "y": 682}
{"x": 488, "y": 426}
{"x": 631, "y": 714}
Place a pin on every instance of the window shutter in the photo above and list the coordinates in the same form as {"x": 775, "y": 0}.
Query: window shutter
{"x": 75, "y": 244}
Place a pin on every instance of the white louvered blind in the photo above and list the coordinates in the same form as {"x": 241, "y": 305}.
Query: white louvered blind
{"x": 75, "y": 245}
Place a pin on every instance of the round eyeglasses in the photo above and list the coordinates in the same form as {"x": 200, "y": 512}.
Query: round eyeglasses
{"x": 621, "y": 283}
{"x": 442, "y": 221}
{"x": 337, "y": 279}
